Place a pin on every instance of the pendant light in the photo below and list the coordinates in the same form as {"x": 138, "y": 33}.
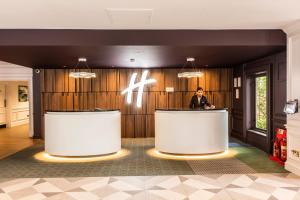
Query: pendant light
{"x": 194, "y": 73}
{"x": 82, "y": 74}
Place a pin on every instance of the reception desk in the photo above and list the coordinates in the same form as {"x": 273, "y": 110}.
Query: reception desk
{"x": 82, "y": 133}
{"x": 191, "y": 131}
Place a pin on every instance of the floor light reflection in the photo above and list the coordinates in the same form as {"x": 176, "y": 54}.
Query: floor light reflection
{"x": 45, "y": 157}
{"x": 226, "y": 154}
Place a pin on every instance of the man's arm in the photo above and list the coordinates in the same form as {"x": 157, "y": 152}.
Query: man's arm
{"x": 209, "y": 104}
{"x": 206, "y": 102}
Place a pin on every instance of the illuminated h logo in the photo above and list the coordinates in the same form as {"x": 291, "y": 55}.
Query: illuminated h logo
{"x": 139, "y": 85}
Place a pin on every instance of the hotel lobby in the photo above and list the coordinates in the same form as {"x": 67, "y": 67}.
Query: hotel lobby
{"x": 120, "y": 101}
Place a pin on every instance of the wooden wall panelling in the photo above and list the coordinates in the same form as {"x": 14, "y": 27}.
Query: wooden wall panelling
{"x": 123, "y": 79}
{"x": 140, "y": 126}
{"x": 123, "y": 104}
{"x": 192, "y": 84}
{"x": 44, "y": 103}
{"x": 86, "y": 85}
{"x": 208, "y": 76}
{"x": 105, "y": 92}
{"x": 112, "y": 100}
{"x": 201, "y": 80}
{"x": 218, "y": 99}
{"x": 112, "y": 80}
{"x": 161, "y": 100}
{"x": 158, "y": 75}
{"x": 96, "y": 82}
{"x": 123, "y": 126}
{"x": 76, "y": 101}
{"x": 103, "y": 79}
{"x": 63, "y": 98}
{"x": 151, "y": 102}
{"x": 150, "y": 126}
{"x": 71, "y": 82}
{"x": 174, "y": 100}
{"x": 170, "y": 79}
{"x": 143, "y": 109}
{"x": 70, "y": 101}
{"x": 226, "y": 79}
{"x": 59, "y": 80}
{"x": 178, "y": 100}
{"x": 101, "y": 100}
{"x": 186, "y": 96}
{"x": 49, "y": 78}
{"x": 171, "y": 100}
{"x": 215, "y": 80}
{"x": 129, "y": 126}
{"x": 91, "y": 100}
{"x": 66, "y": 81}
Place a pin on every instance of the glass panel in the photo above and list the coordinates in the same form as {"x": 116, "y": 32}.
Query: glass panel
{"x": 261, "y": 102}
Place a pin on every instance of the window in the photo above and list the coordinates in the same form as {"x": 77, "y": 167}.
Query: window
{"x": 261, "y": 102}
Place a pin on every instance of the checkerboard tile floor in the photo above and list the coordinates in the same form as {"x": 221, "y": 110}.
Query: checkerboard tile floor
{"x": 283, "y": 186}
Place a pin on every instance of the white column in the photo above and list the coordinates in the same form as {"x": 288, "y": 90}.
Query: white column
{"x": 293, "y": 92}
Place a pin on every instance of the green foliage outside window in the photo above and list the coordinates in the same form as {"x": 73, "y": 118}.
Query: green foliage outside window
{"x": 261, "y": 102}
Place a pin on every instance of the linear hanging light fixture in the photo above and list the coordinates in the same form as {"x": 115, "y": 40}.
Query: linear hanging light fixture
{"x": 82, "y": 74}
{"x": 194, "y": 73}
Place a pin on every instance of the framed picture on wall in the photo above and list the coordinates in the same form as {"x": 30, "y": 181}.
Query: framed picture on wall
{"x": 237, "y": 93}
{"x": 235, "y": 82}
{"x": 23, "y": 93}
{"x": 239, "y": 82}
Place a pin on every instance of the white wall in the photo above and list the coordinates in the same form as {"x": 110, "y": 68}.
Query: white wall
{"x": 293, "y": 92}
{"x": 2, "y": 106}
{"x": 17, "y": 113}
{"x": 11, "y": 72}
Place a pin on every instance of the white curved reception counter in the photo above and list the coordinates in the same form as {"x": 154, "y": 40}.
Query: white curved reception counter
{"x": 82, "y": 133}
{"x": 191, "y": 131}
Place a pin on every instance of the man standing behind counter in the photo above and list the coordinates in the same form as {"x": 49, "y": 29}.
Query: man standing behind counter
{"x": 199, "y": 101}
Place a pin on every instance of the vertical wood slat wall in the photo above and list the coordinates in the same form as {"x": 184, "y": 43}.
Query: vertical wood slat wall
{"x": 60, "y": 92}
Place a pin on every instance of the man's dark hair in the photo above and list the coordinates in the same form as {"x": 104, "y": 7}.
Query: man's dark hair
{"x": 199, "y": 88}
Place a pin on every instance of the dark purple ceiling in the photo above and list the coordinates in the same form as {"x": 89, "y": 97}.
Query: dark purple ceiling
{"x": 156, "y": 48}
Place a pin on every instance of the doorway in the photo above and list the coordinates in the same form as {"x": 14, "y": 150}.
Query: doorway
{"x": 17, "y": 123}
{"x": 14, "y": 117}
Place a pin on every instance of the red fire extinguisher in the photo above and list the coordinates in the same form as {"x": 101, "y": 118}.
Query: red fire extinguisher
{"x": 283, "y": 149}
{"x": 276, "y": 149}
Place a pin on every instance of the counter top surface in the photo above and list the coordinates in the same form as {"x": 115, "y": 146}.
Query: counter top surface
{"x": 204, "y": 110}
{"x": 71, "y": 111}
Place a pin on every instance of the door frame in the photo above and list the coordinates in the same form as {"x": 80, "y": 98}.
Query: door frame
{"x": 11, "y": 72}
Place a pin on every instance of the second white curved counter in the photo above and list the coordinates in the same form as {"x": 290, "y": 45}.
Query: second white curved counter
{"x": 191, "y": 132}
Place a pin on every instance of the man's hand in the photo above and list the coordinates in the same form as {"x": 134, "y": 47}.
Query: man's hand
{"x": 212, "y": 107}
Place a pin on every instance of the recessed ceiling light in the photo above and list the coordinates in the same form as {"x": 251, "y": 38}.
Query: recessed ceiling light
{"x": 190, "y": 59}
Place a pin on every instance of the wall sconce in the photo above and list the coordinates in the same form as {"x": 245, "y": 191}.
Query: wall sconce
{"x": 291, "y": 107}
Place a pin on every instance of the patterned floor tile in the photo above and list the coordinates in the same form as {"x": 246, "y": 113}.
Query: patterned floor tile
{"x": 247, "y": 193}
{"x": 182, "y": 187}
